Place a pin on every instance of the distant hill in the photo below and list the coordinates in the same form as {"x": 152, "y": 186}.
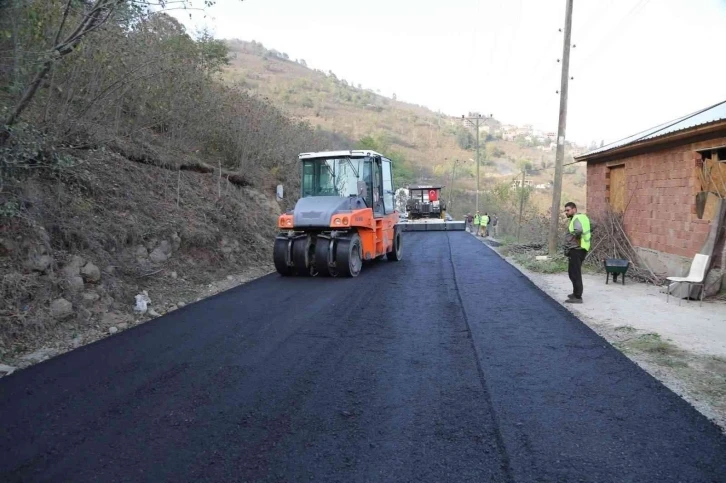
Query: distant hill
{"x": 423, "y": 143}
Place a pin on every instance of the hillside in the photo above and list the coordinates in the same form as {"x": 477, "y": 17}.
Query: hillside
{"x": 424, "y": 143}
{"x": 131, "y": 169}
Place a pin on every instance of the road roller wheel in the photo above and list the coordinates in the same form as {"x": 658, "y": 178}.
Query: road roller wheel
{"x": 349, "y": 256}
{"x": 281, "y": 256}
{"x": 396, "y": 252}
{"x": 302, "y": 256}
{"x": 323, "y": 257}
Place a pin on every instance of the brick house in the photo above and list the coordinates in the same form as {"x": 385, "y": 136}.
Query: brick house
{"x": 655, "y": 178}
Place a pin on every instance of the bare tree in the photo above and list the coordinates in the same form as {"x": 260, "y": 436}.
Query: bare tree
{"x": 95, "y": 15}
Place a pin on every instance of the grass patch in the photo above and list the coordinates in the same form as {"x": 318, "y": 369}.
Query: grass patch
{"x": 507, "y": 240}
{"x": 652, "y": 343}
{"x": 714, "y": 381}
{"x": 659, "y": 351}
{"x": 553, "y": 265}
{"x": 673, "y": 362}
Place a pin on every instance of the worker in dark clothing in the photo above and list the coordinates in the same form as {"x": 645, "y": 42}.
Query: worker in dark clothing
{"x": 577, "y": 244}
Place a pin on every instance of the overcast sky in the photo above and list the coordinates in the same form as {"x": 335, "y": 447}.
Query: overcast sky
{"x": 637, "y": 63}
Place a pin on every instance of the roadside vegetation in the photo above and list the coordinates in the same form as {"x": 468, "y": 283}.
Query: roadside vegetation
{"x": 127, "y": 165}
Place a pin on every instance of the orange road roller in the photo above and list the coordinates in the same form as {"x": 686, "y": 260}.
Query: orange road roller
{"x": 346, "y": 215}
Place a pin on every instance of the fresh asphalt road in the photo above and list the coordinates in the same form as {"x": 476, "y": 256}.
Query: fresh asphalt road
{"x": 448, "y": 366}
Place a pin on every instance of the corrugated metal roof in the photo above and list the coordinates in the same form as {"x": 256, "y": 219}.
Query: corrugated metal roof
{"x": 708, "y": 115}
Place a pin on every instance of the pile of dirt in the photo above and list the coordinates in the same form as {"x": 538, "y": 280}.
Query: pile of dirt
{"x": 80, "y": 245}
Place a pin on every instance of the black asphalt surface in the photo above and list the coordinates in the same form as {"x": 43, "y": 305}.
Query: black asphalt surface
{"x": 449, "y": 366}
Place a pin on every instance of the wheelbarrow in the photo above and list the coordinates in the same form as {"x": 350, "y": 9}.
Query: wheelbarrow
{"x": 616, "y": 266}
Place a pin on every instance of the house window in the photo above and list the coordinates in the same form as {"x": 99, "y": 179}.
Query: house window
{"x": 713, "y": 154}
{"x": 616, "y": 188}
{"x": 712, "y": 170}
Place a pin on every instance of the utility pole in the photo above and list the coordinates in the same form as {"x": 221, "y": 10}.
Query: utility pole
{"x": 451, "y": 189}
{"x": 476, "y": 120}
{"x": 564, "y": 85}
{"x": 478, "y": 162}
{"x": 521, "y": 204}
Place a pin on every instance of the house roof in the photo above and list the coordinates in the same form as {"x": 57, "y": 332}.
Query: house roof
{"x": 709, "y": 115}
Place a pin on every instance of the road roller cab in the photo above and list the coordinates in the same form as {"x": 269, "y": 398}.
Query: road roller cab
{"x": 346, "y": 215}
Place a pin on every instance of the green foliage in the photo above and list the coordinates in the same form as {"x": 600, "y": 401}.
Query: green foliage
{"x": 525, "y": 164}
{"x": 464, "y": 138}
{"x": 495, "y": 152}
{"x": 503, "y": 193}
{"x": 142, "y": 77}
{"x": 30, "y": 148}
{"x": 367, "y": 142}
{"x": 214, "y": 53}
{"x": 9, "y": 209}
{"x": 402, "y": 170}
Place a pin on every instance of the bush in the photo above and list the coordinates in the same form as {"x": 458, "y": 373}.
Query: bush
{"x": 141, "y": 77}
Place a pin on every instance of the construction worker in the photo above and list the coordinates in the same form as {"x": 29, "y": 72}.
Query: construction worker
{"x": 494, "y": 222}
{"x": 477, "y": 223}
{"x": 469, "y": 222}
{"x": 577, "y": 244}
{"x": 485, "y": 224}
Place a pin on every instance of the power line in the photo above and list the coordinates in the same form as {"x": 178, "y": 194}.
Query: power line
{"x": 607, "y": 42}
{"x": 514, "y": 36}
{"x": 551, "y": 167}
{"x": 596, "y": 15}
{"x": 538, "y": 170}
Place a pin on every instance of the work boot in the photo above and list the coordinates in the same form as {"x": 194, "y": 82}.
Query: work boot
{"x": 571, "y": 296}
{"x": 574, "y": 300}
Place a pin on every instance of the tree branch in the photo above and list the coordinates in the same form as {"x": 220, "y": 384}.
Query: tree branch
{"x": 63, "y": 22}
{"x": 90, "y": 22}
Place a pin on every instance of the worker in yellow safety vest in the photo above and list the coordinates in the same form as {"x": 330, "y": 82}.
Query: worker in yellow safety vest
{"x": 477, "y": 223}
{"x": 577, "y": 245}
{"x": 485, "y": 224}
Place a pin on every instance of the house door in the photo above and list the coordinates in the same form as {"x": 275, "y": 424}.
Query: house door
{"x": 617, "y": 188}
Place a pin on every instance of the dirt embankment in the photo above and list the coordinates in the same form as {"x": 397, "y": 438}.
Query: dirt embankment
{"x": 84, "y": 241}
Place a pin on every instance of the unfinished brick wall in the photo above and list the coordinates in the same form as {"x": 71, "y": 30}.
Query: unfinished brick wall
{"x": 661, "y": 188}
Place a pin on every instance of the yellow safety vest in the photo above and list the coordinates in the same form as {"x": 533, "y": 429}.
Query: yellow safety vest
{"x": 586, "y": 233}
